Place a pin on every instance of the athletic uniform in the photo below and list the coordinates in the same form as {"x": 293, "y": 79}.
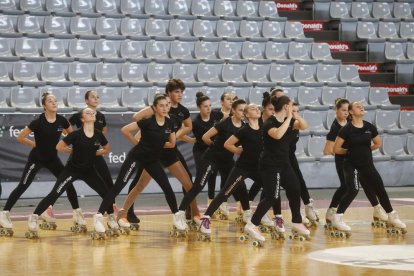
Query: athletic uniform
{"x": 46, "y": 135}
{"x": 80, "y": 166}
{"x": 145, "y": 155}
{"x": 276, "y": 170}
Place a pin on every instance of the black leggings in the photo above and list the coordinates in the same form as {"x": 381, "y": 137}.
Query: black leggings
{"x": 66, "y": 179}
{"x": 102, "y": 168}
{"x": 234, "y": 182}
{"x": 304, "y": 193}
{"x": 132, "y": 164}
{"x": 255, "y": 189}
{"x": 342, "y": 190}
{"x": 273, "y": 178}
{"x": 29, "y": 173}
{"x": 198, "y": 154}
{"x": 371, "y": 179}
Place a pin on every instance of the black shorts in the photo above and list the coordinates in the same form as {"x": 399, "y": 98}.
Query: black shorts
{"x": 169, "y": 157}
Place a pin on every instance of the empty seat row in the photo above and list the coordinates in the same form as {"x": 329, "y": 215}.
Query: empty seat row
{"x": 93, "y": 50}
{"x": 385, "y": 30}
{"x": 380, "y": 10}
{"x": 165, "y": 8}
{"x": 111, "y": 28}
{"x": 31, "y": 73}
{"x": 391, "y": 51}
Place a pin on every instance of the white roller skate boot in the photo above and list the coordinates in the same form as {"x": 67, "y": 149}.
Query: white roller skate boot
{"x": 279, "y": 228}
{"x": 113, "y": 227}
{"x": 205, "y": 231}
{"x": 6, "y": 226}
{"x": 330, "y": 212}
{"x": 223, "y": 211}
{"x": 32, "y": 227}
{"x": 99, "y": 228}
{"x": 252, "y": 231}
{"x": 306, "y": 221}
{"x": 340, "y": 228}
{"x": 79, "y": 222}
{"x": 247, "y": 215}
{"x": 395, "y": 225}
{"x": 48, "y": 220}
{"x": 380, "y": 217}
{"x": 299, "y": 232}
{"x": 266, "y": 224}
{"x": 311, "y": 213}
{"x": 179, "y": 225}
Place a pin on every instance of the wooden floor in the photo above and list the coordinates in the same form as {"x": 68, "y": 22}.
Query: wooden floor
{"x": 151, "y": 251}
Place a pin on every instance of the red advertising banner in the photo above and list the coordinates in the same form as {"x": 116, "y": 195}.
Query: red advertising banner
{"x": 339, "y": 46}
{"x": 395, "y": 89}
{"x": 312, "y": 25}
{"x": 367, "y": 67}
{"x": 288, "y": 6}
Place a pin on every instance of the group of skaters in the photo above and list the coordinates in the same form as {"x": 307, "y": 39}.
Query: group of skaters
{"x": 263, "y": 139}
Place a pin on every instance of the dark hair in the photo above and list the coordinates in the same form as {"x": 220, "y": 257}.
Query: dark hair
{"x": 158, "y": 97}
{"x": 266, "y": 99}
{"x": 88, "y": 93}
{"x": 44, "y": 97}
{"x": 174, "y": 84}
{"x": 236, "y": 103}
{"x": 279, "y": 102}
{"x": 224, "y": 95}
{"x": 339, "y": 102}
{"x": 274, "y": 91}
{"x": 295, "y": 104}
{"x": 200, "y": 98}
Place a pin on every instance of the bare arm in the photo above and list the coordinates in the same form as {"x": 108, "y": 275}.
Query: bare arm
{"x": 104, "y": 150}
{"x": 278, "y": 132}
{"x": 63, "y": 147}
{"x": 67, "y": 130}
{"x": 300, "y": 123}
{"x": 127, "y": 132}
{"x": 188, "y": 139}
{"x": 208, "y": 135}
{"x": 104, "y": 130}
{"x": 186, "y": 128}
{"x": 376, "y": 143}
{"x": 338, "y": 149}
{"x": 22, "y": 138}
{"x": 171, "y": 141}
{"x": 329, "y": 148}
{"x": 230, "y": 145}
{"x": 142, "y": 114}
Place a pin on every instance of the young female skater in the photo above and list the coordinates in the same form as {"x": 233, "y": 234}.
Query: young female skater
{"x": 157, "y": 132}
{"x": 276, "y": 170}
{"x": 216, "y": 157}
{"x": 85, "y": 142}
{"x": 341, "y": 119}
{"x": 47, "y": 129}
{"x": 354, "y": 141}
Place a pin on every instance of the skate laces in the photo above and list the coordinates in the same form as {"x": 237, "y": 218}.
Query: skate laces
{"x": 205, "y": 222}
{"x": 279, "y": 222}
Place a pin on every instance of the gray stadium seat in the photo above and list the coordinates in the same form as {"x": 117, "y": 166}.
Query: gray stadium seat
{"x": 366, "y": 30}
{"x": 108, "y": 8}
{"x": 256, "y": 95}
{"x": 204, "y": 28}
{"x": 338, "y": 10}
{"x": 152, "y": 91}
{"x": 257, "y": 73}
{"x": 30, "y": 26}
{"x": 330, "y": 117}
{"x": 178, "y": 8}
{"x": 7, "y": 27}
{"x": 108, "y": 28}
{"x": 132, "y": 27}
{"x": 26, "y": 48}
{"x": 299, "y": 50}
{"x": 315, "y": 122}
{"x": 206, "y": 50}
{"x": 273, "y": 29}
{"x": 59, "y": 8}
{"x": 209, "y": 73}
{"x": 379, "y": 96}
{"x": 159, "y": 73}
{"x": 281, "y": 73}
{"x": 234, "y": 73}
{"x": 394, "y": 51}
{"x": 304, "y": 72}
{"x": 185, "y": 72}
{"x": 5, "y": 50}
{"x": 182, "y": 50}
{"x": 406, "y": 120}
{"x": 155, "y": 7}
{"x": 24, "y": 99}
{"x": 83, "y": 7}
{"x": 327, "y": 73}
{"x": 360, "y": 10}
{"x": 349, "y": 74}
{"x": 229, "y": 50}
{"x": 80, "y": 73}
{"x": 9, "y": 7}
{"x": 5, "y": 79}
{"x": 310, "y": 98}
{"x": 387, "y": 120}
{"x": 276, "y": 50}
{"x": 392, "y": 146}
{"x": 26, "y": 72}
{"x": 294, "y": 30}
{"x": 381, "y": 10}
{"x": 359, "y": 94}
{"x": 189, "y": 98}
{"x": 60, "y": 93}
{"x": 242, "y": 92}
{"x": 76, "y": 97}
{"x": 387, "y": 30}
{"x": 252, "y": 50}
{"x": 57, "y": 26}
{"x": 268, "y": 9}
{"x": 34, "y": 7}
{"x": 82, "y": 50}
{"x": 157, "y": 50}
{"x": 53, "y": 72}
{"x": 109, "y": 99}
{"x": 4, "y": 100}
{"x": 180, "y": 28}
{"x": 224, "y": 8}
{"x": 133, "y": 8}
{"x": 251, "y": 30}
{"x": 410, "y": 50}
{"x": 402, "y": 10}
{"x": 132, "y": 50}
{"x": 247, "y": 9}
{"x": 300, "y": 151}
{"x": 134, "y": 98}
{"x": 55, "y": 49}
{"x": 108, "y": 74}
{"x": 82, "y": 26}
{"x": 407, "y": 30}
{"x": 133, "y": 72}
{"x": 410, "y": 144}
{"x": 156, "y": 27}
{"x": 331, "y": 93}
{"x": 321, "y": 52}
{"x": 227, "y": 29}
{"x": 291, "y": 90}
{"x": 108, "y": 50}
{"x": 201, "y": 8}
{"x": 316, "y": 145}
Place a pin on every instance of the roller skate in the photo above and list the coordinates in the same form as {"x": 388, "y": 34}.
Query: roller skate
{"x": 329, "y": 218}
{"x": 239, "y": 214}
{"x": 133, "y": 220}
{"x": 113, "y": 227}
{"x": 278, "y": 231}
{"x": 6, "y": 226}
{"x": 299, "y": 232}
{"x": 204, "y": 233}
{"x": 48, "y": 220}
{"x": 306, "y": 221}
{"x": 252, "y": 232}
{"x": 180, "y": 228}
{"x": 223, "y": 212}
{"x": 394, "y": 225}
{"x": 32, "y": 227}
{"x": 266, "y": 224}
{"x": 339, "y": 227}
{"x": 79, "y": 223}
{"x": 99, "y": 228}
{"x": 311, "y": 214}
{"x": 194, "y": 223}
{"x": 380, "y": 217}
{"x": 247, "y": 215}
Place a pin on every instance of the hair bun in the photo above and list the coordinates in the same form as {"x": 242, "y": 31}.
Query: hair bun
{"x": 199, "y": 94}
{"x": 266, "y": 95}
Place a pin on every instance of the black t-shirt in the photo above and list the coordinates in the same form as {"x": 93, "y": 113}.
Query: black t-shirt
{"x": 84, "y": 148}
{"x": 276, "y": 152}
{"x": 358, "y": 142}
{"x": 225, "y": 129}
{"x": 100, "y": 122}
{"x": 153, "y": 138}
{"x": 200, "y": 127}
{"x": 333, "y": 133}
{"x": 179, "y": 114}
{"x": 47, "y": 136}
{"x": 252, "y": 144}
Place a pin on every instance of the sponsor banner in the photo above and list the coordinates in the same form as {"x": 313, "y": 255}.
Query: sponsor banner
{"x": 13, "y": 155}
{"x": 339, "y": 46}
{"x": 395, "y": 89}
{"x": 367, "y": 67}
{"x": 288, "y": 6}
{"x": 312, "y": 25}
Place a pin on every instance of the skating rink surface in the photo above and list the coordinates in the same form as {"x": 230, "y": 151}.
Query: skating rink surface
{"x": 151, "y": 251}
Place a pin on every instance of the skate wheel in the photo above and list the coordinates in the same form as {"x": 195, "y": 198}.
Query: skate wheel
{"x": 256, "y": 243}
{"x": 242, "y": 238}
{"x": 341, "y": 235}
{"x": 397, "y": 232}
{"x": 301, "y": 238}
{"x": 290, "y": 237}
